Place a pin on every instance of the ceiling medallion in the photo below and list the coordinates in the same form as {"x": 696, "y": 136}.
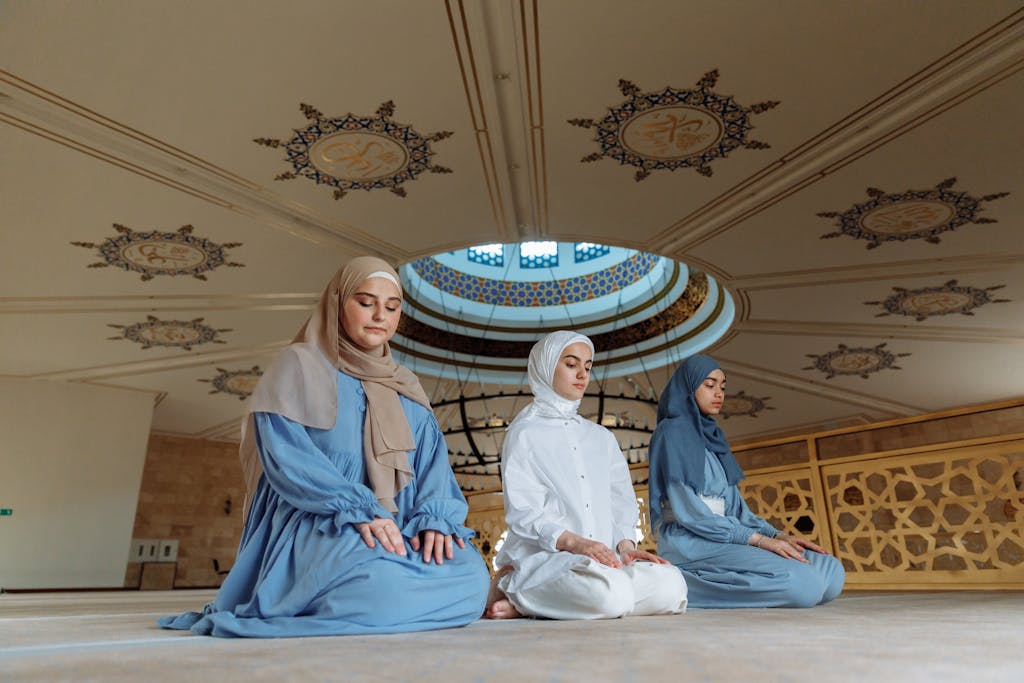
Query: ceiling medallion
{"x": 161, "y": 253}
{"x": 860, "y": 360}
{"x": 741, "y": 404}
{"x": 240, "y": 383}
{"x": 672, "y": 129}
{"x": 914, "y": 214}
{"x": 353, "y": 152}
{"x": 180, "y": 333}
{"x": 934, "y": 301}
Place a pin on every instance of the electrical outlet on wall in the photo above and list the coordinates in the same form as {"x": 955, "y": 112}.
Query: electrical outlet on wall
{"x": 168, "y": 551}
{"x": 146, "y": 550}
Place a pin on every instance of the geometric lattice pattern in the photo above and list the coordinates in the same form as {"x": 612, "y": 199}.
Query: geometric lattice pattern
{"x": 954, "y": 518}
{"x": 587, "y": 251}
{"x": 488, "y": 254}
{"x": 931, "y": 514}
{"x": 536, "y": 293}
{"x": 489, "y": 525}
{"x": 787, "y": 501}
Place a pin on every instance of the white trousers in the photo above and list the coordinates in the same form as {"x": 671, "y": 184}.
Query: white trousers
{"x": 596, "y": 591}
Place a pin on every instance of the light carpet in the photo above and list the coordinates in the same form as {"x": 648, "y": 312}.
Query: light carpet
{"x": 952, "y": 636}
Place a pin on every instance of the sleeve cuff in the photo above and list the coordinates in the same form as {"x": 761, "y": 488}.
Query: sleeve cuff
{"x": 549, "y": 537}
{"x": 332, "y": 525}
{"x": 741, "y": 535}
{"x": 439, "y": 515}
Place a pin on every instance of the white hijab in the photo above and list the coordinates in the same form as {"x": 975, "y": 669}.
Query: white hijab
{"x": 544, "y": 357}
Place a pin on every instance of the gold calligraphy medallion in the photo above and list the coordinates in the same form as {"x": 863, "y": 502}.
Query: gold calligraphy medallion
{"x": 161, "y": 253}
{"x": 927, "y": 302}
{"x": 673, "y": 128}
{"x": 240, "y": 383}
{"x": 358, "y": 152}
{"x": 169, "y": 333}
{"x": 914, "y": 214}
{"x": 861, "y": 360}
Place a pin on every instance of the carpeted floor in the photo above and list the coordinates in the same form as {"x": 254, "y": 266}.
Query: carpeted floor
{"x": 964, "y": 636}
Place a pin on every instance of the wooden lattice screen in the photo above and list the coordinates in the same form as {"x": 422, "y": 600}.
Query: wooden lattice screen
{"x": 925, "y": 516}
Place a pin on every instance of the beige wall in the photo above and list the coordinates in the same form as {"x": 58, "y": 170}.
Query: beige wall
{"x": 71, "y": 460}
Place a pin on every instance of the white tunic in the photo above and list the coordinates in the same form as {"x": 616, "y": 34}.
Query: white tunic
{"x": 561, "y": 474}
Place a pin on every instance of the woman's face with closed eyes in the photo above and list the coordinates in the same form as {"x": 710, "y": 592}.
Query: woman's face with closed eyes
{"x": 370, "y": 316}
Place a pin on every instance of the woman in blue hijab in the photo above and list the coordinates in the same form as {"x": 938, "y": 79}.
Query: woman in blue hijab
{"x": 729, "y": 556}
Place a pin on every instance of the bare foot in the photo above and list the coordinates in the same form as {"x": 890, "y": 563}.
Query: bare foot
{"x": 502, "y": 609}
{"x": 498, "y": 606}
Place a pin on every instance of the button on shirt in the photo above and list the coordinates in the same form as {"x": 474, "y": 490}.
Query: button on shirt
{"x": 561, "y": 475}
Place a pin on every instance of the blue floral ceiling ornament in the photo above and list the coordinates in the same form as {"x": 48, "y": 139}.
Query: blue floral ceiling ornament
{"x": 740, "y": 404}
{"x": 161, "y": 253}
{"x": 240, "y": 383}
{"x": 928, "y": 302}
{"x": 357, "y": 152}
{"x": 909, "y": 215}
{"x": 860, "y": 360}
{"x": 670, "y": 128}
{"x": 172, "y": 333}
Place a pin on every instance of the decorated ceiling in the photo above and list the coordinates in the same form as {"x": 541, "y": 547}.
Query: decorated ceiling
{"x": 827, "y": 196}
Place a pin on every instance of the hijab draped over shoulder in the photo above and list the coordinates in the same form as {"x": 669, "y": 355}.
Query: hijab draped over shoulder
{"x": 544, "y": 357}
{"x": 682, "y": 433}
{"x": 302, "y": 385}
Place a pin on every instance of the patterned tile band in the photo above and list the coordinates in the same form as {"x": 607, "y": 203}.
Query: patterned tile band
{"x": 681, "y": 310}
{"x": 544, "y": 293}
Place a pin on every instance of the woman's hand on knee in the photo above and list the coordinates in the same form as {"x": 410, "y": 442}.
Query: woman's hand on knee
{"x": 803, "y": 543}
{"x": 385, "y": 531}
{"x": 595, "y": 550}
{"x": 435, "y": 545}
{"x": 780, "y": 545}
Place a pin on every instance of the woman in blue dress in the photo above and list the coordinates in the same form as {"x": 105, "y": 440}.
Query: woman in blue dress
{"x": 729, "y": 556}
{"x": 353, "y": 516}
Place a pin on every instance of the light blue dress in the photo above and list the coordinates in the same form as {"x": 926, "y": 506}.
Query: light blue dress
{"x": 720, "y": 569}
{"x": 303, "y": 569}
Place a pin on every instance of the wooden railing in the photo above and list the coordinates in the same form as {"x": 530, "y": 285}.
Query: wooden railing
{"x": 932, "y": 513}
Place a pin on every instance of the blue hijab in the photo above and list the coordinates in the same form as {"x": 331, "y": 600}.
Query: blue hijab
{"x": 683, "y": 432}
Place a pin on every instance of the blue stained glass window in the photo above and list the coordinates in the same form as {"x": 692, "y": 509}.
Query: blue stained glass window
{"x": 538, "y": 254}
{"x": 487, "y": 254}
{"x": 586, "y": 251}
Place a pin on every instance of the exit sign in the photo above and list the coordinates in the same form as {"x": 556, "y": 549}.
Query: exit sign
{"x": 6, "y": 512}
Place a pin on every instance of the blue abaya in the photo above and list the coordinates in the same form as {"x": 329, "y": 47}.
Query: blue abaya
{"x": 720, "y": 568}
{"x": 302, "y": 567}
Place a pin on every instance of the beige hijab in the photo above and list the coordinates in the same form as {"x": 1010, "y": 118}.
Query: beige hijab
{"x": 302, "y": 385}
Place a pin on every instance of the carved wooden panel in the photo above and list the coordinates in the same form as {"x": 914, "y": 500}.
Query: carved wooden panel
{"x": 937, "y": 517}
{"x": 789, "y": 501}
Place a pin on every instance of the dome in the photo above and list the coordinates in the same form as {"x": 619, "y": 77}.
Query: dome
{"x": 474, "y": 314}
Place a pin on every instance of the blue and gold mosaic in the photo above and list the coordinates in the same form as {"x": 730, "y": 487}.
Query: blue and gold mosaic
{"x": 678, "y": 312}
{"x": 161, "y": 253}
{"x": 240, "y": 383}
{"x": 739, "y": 404}
{"x": 859, "y": 360}
{"x": 909, "y": 215}
{"x": 536, "y": 293}
{"x": 928, "y": 302}
{"x": 183, "y": 334}
{"x": 357, "y": 152}
{"x": 672, "y": 128}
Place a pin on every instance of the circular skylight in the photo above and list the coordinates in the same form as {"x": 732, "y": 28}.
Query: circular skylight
{"x": 474, "y": 314}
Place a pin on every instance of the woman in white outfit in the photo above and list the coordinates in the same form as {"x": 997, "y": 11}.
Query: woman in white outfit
{"x": 571, "y": 511}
